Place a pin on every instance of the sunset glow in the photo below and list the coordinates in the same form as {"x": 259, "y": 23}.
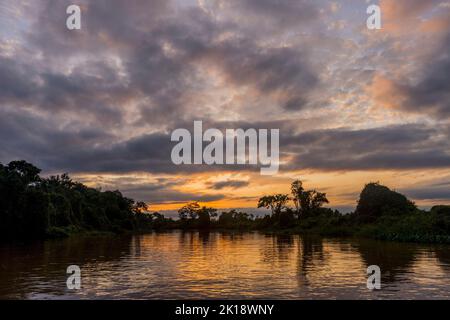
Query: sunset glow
{"x": 352, "y": 105}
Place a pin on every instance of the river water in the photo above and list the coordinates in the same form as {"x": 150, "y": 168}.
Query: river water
{"x": 216, "y": 265}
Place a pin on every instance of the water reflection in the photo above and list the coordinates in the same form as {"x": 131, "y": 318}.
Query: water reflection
{"x": 443, "y": 254}
{"x": 223, "y": 265}
{"x": 277, "y": 249}
{"x": 40, "y": 268}
{"x": 310, "y": 253}
{"x": 394, "y": 259}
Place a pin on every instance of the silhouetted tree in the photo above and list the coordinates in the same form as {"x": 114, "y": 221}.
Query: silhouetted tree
{"x": 235, "y": 219}
{"x": 189, "y": 210}
{"x": 34, "y": 207}
{"x": 297, "y": 191}
{"x": 26, "y": 171}
{"x": 306, "y": 202}
{"x": 275, "y": 202}
{"x": 193, "y": 216}
{"x": 140, "y": 207}
{"x": 204, "y": 216}
{"x": 376, "y": 200}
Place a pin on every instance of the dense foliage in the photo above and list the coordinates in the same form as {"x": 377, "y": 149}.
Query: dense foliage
{"x": 376, "y": 201}
{"x": 381, "y": 213}
{"x": 35, "y": 207}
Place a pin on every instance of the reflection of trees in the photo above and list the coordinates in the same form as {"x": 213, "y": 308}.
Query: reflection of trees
{"x": 136, "y": 245}
{"x": 443, "y": 254}
{"x": 186, "y": 239}
{"x": 191, "y": 241}
{"x": 43, "y": 265}
{"x": 233, "y": 236}
{"x": 284, "y": 245}
{"x": 204, "y": 237}
{"x": 278, "y": 248}
{"x": 392, "y": 258}
{"x": 310, "y": 252}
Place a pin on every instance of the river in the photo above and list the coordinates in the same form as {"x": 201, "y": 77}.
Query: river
{"x": 216, "y": 265}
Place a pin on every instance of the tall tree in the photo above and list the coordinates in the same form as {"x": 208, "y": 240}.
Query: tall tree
{"x": 189, "y": 210}
{"x": 296, "y": 191}
{"x": 306, "y": 201}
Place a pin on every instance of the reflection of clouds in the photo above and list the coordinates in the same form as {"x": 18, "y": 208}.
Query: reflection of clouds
{"x": 192, "y": 265}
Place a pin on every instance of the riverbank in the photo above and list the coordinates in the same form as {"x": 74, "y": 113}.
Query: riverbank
{"x": 418, "y": 227}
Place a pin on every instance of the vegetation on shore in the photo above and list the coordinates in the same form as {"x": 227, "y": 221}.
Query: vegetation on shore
{"x": 33, "y": 207}
{"x": 36, "y": 207}
{"x": 381, "y": 214}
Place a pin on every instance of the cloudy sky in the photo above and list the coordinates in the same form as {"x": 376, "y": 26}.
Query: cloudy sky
{"x": 353, "y": 105}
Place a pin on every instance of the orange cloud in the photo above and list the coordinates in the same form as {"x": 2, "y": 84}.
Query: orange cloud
{"x": 436, "y": 25}
{"x": 405, "y": 16}
{"x": 386, "y": 92}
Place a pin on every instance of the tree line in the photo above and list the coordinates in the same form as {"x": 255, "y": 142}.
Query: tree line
{"x": 35, "y": 207}
{"x": 380, "y": 213}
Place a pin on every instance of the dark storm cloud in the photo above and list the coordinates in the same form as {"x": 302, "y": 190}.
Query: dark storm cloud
{"x": 24, "y": 85}
{"x": 270, "y": 70}
{"x": 431, "y": 94}
{"x": 59, "y": 79}
{"x": 428, "y": 193}
{"x": 16, "y": 81}
{"x": 392, "y": 147}
{"x": 434, "y": 89}
{"x": 161, "y": 190}
{"x": 94, "y": 84}
{"x": 430, "y": 190}
{"x": 35, "y": 139}
{"x": 160, "y": 54}
{"x": 281, "y": 13}
{"x": 163, "y": 194}
{"x": 442, "y": 184}
{"x": 107, "y": 25}
{"x": 233, "y": 184}
{"x": 95, "y": 90}
{"x": 243, "y": 62}
{"x": 92, "y": 150}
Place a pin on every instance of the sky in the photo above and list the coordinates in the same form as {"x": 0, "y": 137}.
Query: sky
{"x": 353, "y": 105}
